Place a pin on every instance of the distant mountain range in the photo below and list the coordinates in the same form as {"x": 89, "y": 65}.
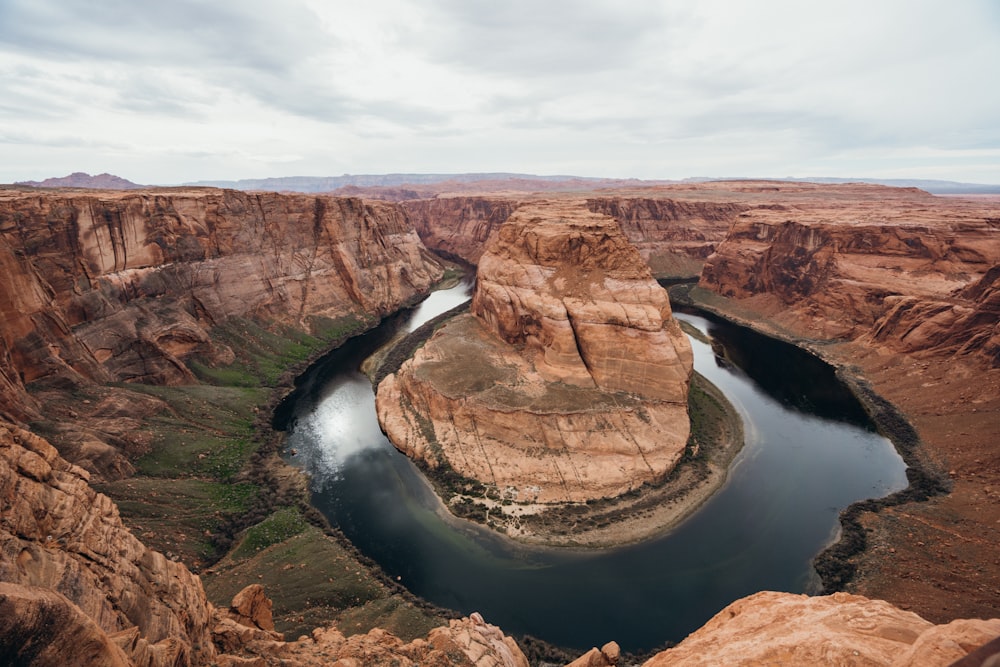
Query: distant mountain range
{"x": 312, "y": 184}
{"x": 329, "y": 183}
{"x": 935, "y": 187}
{"x": 81, "y": 180}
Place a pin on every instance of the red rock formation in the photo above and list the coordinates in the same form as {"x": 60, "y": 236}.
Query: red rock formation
{"x": 126, "y": 287}
{"x": 568, "y": 382}
{"x": 459, "y": 226}
{"x": 77, "y": 588}
{"x": 57, "y": 533}
{"x": 673, "y": 235}
{"x": 784, "y": 629}
{"x": 897, "y": 273}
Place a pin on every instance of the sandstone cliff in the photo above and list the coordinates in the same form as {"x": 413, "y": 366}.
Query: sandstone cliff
{"x": 674, "y": 231}
{"x": 77, "y": 588}
{"x": 901, "y": 272}
{"x": 128, "y": 287}
{"x": 569, "y": 379}
{"x": 674, "y": 235}
{"x": 58, "y": 536}
{"x": 784, "y": 629}
{"x": 459, "y": 226}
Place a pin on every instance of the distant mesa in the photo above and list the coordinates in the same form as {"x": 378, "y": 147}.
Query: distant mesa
{"x": 80, "y": 179}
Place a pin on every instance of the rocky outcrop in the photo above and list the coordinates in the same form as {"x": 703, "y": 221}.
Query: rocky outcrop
{"x": 902, "y": 274}
{"x": 673, "y": 235}
{"x": 966, "y": 324}
{"x": 41, "y": 627}
{"x": 77, "y": 588}
{"x": 57, "y": 533}
{"x": 468, "y": 642}
{"x": 128, "y": 287}
{"x": 569, "y": 379}
{"x": 785, "y": 629}
{"x": 459, "y": 226}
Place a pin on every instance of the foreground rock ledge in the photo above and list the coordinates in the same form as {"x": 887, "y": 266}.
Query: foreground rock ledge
{"x": 569, "y": 379}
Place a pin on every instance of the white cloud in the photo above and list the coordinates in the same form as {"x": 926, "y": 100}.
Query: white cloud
{"x": 169, "y": 92}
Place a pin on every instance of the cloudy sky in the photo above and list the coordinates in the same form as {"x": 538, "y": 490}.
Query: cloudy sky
{"x": 181, "y": 90}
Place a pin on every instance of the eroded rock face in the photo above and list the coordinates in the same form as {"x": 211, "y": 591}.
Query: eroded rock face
{"x": 128, "y": 286}
{"x": 125, "y": 286}
{"x": 673, "y": 235}
{"x": 569, "y": 379}
{"x": 909, "y": 273}
{"x": 77, "y": 588}
{"x": 674, "y": 231}
{"x": 459, "y": 226}
{"x": 57, "y": 533}
{"x": 784, "y": 629}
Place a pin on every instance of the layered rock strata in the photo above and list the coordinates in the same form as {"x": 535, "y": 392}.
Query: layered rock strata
{"x": 674, "y": 235}
{"x": 910, "y": 273}
{"x": 784, "y": 629}
{"x": 459, "y": 226}
{"x": 77, "y": 588}
{"x": 112, "y": 287}
{"x": 568, "y": 381}
{"x": 674, "y": 230}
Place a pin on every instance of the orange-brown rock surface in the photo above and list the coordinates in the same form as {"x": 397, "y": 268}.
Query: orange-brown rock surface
{"x": 674, "y": 230}
{"x": 674, "y": 234}
{"x": 57, "y": 533}
{"x": 785, "y": 629}
{"x": 898, "y": 287}
{"x": 459, "y": 226}
{"x": 898, "y": 268}
{"x": 77, "y": 588}
{"x": 127, "y": 287}
{"x": 569, "y": 379}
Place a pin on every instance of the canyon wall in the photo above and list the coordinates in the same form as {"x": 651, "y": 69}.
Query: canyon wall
{"x": 569, "y": 379}
{"x": 673, "y": 235}
{"x": 114, "y": 287}
{"x": 459, "y": 226}
{"x": 109, "y": 287}
{"x": 910, "y": 275}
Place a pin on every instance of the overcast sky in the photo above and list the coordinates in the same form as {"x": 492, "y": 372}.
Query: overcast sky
{"x": 180, "y": 90}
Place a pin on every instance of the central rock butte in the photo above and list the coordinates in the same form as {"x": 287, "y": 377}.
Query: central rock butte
{"x": 567, "y": 382}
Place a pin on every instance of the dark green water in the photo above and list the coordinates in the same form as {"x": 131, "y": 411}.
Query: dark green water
{"x": 810, "y": 452}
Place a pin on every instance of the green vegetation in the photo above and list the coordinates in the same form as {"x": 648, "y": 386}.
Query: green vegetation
{"x": 264, "y": 354}
{"x": 313, "y": 579}
{"x": 209, "y": 489}
{"x": 179, "y": 518}
{"x": 204, "y": 431}
{"x": 284, "y": 524}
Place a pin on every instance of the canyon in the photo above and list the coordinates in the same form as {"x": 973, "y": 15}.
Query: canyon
{"x": 112, "y": 300}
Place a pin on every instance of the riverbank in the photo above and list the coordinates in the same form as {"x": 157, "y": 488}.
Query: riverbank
{"x": 930, "y": 548}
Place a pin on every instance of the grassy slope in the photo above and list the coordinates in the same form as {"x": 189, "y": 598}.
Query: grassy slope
{"x": 212, "y": 492}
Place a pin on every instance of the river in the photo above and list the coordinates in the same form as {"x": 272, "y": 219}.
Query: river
{"x": 810, "y": 451}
